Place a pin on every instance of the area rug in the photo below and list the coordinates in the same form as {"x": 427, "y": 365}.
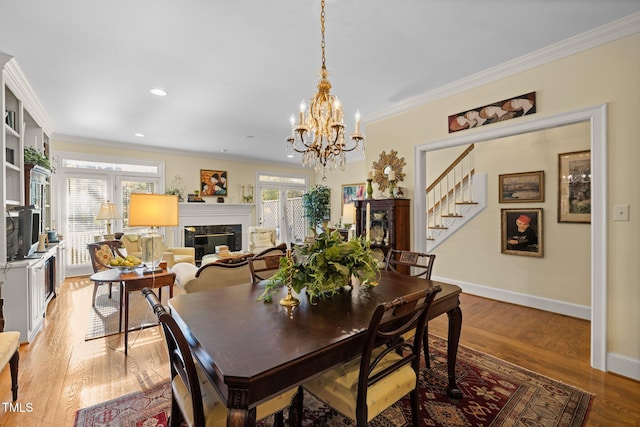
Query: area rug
{"x": 496, "y": 393}
{"x": 103, "y": 317}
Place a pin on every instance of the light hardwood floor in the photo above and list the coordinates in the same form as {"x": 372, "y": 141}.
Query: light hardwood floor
{"x": 61, "y": 373}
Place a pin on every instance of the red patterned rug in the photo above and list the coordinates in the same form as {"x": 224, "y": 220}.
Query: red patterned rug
{"x": 496, "y": 393}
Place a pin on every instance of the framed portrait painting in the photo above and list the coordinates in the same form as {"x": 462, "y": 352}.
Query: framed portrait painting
{"x": 352, "y": 192}
{"x": 521, "y": 232}
{"x": 574, "y": 187}
{"x": 213, "y": 182}
{"x": 521, "y": 187}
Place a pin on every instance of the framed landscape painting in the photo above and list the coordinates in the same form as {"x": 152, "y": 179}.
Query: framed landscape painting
{"x": 521, "y": 187}
{"x": 574, "y": 187}
{"x": 521, "y": 232}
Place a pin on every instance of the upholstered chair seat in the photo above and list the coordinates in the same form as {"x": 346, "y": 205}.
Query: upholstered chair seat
{"x": 9, "y": 352}
{"x": 261, "y": 238}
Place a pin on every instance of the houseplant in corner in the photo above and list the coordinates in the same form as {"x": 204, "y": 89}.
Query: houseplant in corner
{"x": 324, "y": 266}
{"x": 316, "y": 204}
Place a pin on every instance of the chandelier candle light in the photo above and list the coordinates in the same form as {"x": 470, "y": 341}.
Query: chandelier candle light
{"x": 153, "y": 210}
{"x": 319, "y": 133}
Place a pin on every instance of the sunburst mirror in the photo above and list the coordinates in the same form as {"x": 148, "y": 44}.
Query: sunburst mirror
{"x": 384, "y": 165}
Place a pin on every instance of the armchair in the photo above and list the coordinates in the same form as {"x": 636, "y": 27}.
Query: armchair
{"x": 261, "y": 238}
{"x": 172, "y": 255}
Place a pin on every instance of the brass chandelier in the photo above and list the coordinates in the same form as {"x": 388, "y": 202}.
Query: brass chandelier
{"x": 319, "y": 133}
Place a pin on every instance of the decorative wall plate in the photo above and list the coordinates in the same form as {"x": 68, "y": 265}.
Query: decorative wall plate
{"x": 387, "y": 163}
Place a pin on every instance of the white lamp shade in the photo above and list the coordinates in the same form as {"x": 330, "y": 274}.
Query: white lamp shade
{"x": 349, "y": 213}
{"x": 108, "y": 211}
{"x": 153, "y": 210}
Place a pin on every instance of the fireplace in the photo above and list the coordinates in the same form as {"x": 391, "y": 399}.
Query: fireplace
{"x": 215, "y": 214}
{"x": 205, "y": 238}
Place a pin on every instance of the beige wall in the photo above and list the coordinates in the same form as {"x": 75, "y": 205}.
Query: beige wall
{"x": 606, "y": 74}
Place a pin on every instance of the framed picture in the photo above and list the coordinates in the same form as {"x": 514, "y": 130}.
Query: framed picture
{"x": 574, "y": 187}
{"x": 521, "y": 187}
{"x": 352, "y": 192}
{"x": 213, "y": 183}
{"x": 521, "y": 232}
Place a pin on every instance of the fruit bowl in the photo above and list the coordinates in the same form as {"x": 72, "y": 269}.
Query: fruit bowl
{"x": 125, "y": 268}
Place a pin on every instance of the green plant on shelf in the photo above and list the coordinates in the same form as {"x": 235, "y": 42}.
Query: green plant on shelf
{"x": 35, "y": 157}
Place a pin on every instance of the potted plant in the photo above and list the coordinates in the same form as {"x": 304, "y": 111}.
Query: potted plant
{"x": 34, "y": 157}
{"x": 316, "y": 204}
{"x": 324, "y": 266}
{"x": 176, "y": 188}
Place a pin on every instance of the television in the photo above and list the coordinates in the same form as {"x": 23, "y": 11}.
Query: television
{"x": 29, "y": 227}
{"x": 11, "y": 227}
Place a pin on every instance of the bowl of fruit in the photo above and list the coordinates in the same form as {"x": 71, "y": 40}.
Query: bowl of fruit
{"x": 129, "y": 263}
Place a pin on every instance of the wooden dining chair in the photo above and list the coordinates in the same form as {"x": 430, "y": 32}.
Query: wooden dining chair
{"x": 9, "y": 352}
{"x": 193, "y": 397}
{"x": 383, "y": 374}
{"x": 101, "y": 253}
{"x": 419, "y": 265}
{"x": 266, "y": 263}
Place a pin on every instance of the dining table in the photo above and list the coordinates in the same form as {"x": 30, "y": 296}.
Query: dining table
{"x": 252, "y": 350}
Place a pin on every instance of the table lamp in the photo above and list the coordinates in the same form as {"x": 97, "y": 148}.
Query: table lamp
{"x": 107, "y": 212}
{"x": 152, "y": 210}
{"x": 349, "y": 218}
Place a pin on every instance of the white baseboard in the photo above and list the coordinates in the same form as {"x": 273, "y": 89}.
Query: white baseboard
{"x": 616, "y": 363}
{"x": 554, "y": 306}
{"x": 623, "y": 365}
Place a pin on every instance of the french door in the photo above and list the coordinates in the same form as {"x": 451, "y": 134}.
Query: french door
{"x": 279, "y": 205}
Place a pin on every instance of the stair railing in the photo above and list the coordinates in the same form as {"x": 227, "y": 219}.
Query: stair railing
{"x": 452, "y": 188}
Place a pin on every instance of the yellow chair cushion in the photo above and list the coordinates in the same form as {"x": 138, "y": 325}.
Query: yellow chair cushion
{"x": 339, "y": 387}
{"x": 9, "y": 343}
{"x": 215, "y": 412}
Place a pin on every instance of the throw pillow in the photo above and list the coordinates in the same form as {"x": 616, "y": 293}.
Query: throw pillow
{"x": 262, "y": 240}
{"x": 104, "y": 254}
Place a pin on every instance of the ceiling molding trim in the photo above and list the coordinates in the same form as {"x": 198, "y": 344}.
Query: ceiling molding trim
{"x": 18, "y": 83}
{"x": 164, "y": 150}
{"x": 613, "y": 31}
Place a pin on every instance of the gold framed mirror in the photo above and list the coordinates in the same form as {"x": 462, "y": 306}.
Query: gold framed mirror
{"x": 385, "y": 164}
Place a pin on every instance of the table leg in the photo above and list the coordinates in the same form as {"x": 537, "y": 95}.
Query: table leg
{"x": 455, "y": 326}
{"x": 126, "y": 319}
{"x": 239, "y": 416}
{"x": 121, "y": 285}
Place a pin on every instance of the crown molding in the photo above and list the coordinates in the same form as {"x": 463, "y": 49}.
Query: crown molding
{"x": 613, "y": 31}
{"x": 18, "y": 83}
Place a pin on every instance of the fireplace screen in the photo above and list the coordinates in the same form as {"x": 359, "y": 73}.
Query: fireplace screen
{"x": 205, "y": 238}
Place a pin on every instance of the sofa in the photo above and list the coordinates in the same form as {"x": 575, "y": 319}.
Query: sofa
{"x": 172, "y": 255}
{"x": 211, "y": 276}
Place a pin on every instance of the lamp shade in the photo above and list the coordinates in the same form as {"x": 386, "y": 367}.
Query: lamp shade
{"x": 153, "y": 210}
{"x": 349, "y": 213}
{"x": 108, "y": 211}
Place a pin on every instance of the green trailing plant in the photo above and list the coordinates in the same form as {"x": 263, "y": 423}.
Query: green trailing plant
{"x": 316, "y": 203}
{"x": 35, "y": 157}
{"x": 325, "y": 265}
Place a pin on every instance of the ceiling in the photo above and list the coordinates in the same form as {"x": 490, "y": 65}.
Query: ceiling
{"x": 235, "y": 71}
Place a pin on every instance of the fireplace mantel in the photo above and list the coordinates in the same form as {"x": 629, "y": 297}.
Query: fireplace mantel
{"x": 214, "y": 214}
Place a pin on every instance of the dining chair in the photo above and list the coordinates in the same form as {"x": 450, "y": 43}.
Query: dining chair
{"x": 101, "y": 253}
{"x": 193, "y": 397}
{"x": 420, "y": 265}
{"x": 9, "y": 352}
{"x": 387, "y": 368}
{"x": 266, "y": 263}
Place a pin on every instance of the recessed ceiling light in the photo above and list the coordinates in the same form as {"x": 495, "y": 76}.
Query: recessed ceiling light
{"x": 223, "y": 150}
{"x": 290, "y": 155}
{"x": 139, "y": 134}
{"x": 158, "y": 92}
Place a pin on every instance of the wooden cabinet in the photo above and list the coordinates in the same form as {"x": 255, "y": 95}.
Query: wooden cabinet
{"x": 390, "y": 222}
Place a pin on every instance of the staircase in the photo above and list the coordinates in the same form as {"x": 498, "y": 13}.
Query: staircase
{"x": 454, "y": 198}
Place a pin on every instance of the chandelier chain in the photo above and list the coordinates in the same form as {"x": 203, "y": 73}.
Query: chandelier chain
{"x": 322, "y": 44}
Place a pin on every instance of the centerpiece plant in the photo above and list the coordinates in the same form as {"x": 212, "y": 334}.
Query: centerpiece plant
{"x": 324, "y": 265}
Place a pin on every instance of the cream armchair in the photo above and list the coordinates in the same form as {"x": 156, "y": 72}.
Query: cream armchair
{"x": 172, "y": 255}
{"x": 261, "y": 238}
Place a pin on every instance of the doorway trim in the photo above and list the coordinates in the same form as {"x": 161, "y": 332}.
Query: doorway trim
{"x": 597, "y": 117}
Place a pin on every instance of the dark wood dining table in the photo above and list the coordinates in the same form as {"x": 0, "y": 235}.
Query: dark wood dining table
{"x": 252, "y": 350}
